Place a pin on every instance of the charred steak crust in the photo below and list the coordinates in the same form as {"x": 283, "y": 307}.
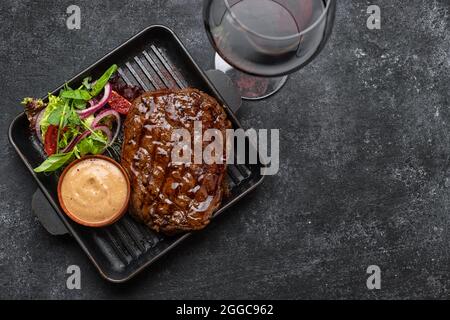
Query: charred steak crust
{"x": 168, "y": 197}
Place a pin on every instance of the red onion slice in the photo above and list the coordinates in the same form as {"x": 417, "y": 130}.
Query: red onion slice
{"x": 37, "y": 126}
{"x": 104, "y": 114}
{"x": 94, "y": 105}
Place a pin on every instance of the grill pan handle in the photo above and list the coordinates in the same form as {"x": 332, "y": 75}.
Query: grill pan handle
{"x": 226, "y": 88}
{"x": 47, "y": 215}
{"x": 45, "y": 212}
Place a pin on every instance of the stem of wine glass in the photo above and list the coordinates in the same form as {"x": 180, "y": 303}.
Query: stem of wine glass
{"x": 250, "y": 87}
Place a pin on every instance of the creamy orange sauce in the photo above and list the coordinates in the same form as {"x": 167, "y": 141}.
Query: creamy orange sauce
{"x": 94, "y": 190}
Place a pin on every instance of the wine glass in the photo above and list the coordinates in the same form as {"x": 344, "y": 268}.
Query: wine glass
{"x": 259, "y": 42}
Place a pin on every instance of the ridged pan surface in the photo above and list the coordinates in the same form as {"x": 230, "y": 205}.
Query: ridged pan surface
{"x": 153, "y": 59}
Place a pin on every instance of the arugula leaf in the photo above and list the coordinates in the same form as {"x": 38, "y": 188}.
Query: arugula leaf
{"x": 79, "y": 94}
{"x": 54, "y": 162}
{"x": 100, "y": 83}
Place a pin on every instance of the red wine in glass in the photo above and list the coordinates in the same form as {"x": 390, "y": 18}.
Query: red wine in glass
{"x": 260, "y": 41}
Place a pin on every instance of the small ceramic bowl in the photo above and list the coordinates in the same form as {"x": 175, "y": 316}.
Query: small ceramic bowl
{"x": 113, "y": 217}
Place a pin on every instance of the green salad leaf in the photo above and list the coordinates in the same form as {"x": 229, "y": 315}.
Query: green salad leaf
{"x": 54, "y": 162}
{"x": 103, "y": 80}
{"x": 90, "y": 145}
{"x": 87, "y": 83}
{"x": 59, "y": 116}
{"x": 67, "y": 136}
{"x": 79, "y": 94}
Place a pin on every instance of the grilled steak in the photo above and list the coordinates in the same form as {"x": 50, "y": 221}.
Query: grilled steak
{"x": 165, "y": 196}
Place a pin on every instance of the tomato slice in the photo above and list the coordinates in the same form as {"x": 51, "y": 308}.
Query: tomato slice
{"x": 119, "y": 103}
{"x": 51, "y": 140}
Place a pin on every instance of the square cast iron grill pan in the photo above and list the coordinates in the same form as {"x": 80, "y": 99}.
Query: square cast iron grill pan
{"x": 154, "y": 59}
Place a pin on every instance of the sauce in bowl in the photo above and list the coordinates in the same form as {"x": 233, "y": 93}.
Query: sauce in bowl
{"x": 94, "y": 191}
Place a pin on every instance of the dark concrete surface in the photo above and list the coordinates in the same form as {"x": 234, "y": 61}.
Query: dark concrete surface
{"x": 364, "y": 177}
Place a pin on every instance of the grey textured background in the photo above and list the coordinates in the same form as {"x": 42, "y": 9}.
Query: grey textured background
{"x": 364, "y": 175}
